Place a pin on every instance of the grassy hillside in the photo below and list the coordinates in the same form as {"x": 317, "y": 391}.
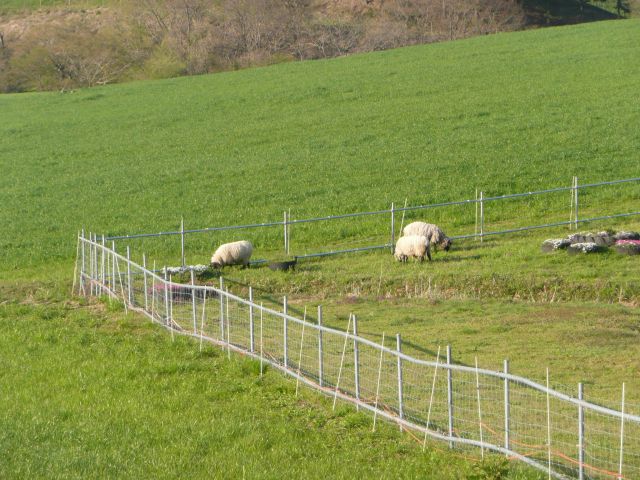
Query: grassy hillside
{"x": 102, "y": 395}
{"x": 503, "y": 113}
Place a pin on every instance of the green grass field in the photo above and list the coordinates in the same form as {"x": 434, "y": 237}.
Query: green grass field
{"x": 502, "y": 113}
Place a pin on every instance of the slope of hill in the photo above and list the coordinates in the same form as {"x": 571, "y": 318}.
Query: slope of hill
{"x": 505, "y": 113}
{"x": 508, "y": 112}
{"x": 68, "y": 44}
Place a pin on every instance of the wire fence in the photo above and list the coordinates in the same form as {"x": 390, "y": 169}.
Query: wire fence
{"x": 568, "y": 206}
{"x": 468, "y": 407}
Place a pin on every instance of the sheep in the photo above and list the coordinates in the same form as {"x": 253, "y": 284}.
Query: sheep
{"x": 434, "y": 233}
{"x": 412, "y": 246}
{"x": 234, "y": 253}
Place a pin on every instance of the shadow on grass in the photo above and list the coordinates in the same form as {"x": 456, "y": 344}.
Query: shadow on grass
{"x": 564, "y": 12}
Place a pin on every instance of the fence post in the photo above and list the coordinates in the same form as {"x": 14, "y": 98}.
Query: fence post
{"x": 182, "y": 240}
{"x": 95, "y": 264}
{"x": 393, "y": 228}
{"x": 621, "y": 436}
{"x": 193, "y": 302}
{"x": 129, "y": 275}
{"x": 166, "y": 297}
{"x": 103, "y": 261}
{"x": 481, "y": 216}
{"x": 399, "y": 349}
{"x": 286, "y": 243}
{"x": 450, "y": 394}
{"x": 113, "y": 267}
{"x": 288, "y": 232}
{"x": 320, "y": 364}
{"x": 576, "y": 202}
{"x": 83, "y": 268}
{"x": 507, "y": 441}
{"x": 251, "y": 336}
{"x": 144, "y": 272}
{"x": 356, "y": 361}
{"x": 222, "y": 337}
{"x": 475, "y": 230}
{"x": 90, "y": 264}
{"x": 285, "y": 326}
{"x": 580, "y": 434}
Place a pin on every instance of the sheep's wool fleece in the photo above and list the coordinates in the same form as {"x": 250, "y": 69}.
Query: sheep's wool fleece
{"x": 429, "y": 230}
{"x": 233, "y": 253}
{"x": 412, "y": 246}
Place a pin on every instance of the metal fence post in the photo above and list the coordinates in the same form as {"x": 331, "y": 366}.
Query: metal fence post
{"x": 576, "y": 202}
{"x": 400, "y": 403}
{"x": 621, "y": 435}
{"x": 288, "y": 232}
{"x": 222, "y": 309}
{"x": 90, "y": 264}
{"x": 320, "y": 362}
{"x": 580, "y": 434}
{"x": 166, "y": 297}
{"x": 285, "y": 327}
{"x": 193, "y": 302}
{"x": 251, "y": 336}
{"x": 481, "y": 216}
{"x": 144, "y": 273}
{"x": 94, "y": 264}
{"x": 393, "y": 228}
{"x": 103, "y": 262}
{"x": 450, "y": 394}
{"x": 83, "y": 268}
{"x": 129, "y": 275}
{"x": 182, "y": 240}
{"x": 507, "y": 441}
{"x": 356, "y": 361}
{"x": 286, "y": 243}
{"x": 113, "y": 267}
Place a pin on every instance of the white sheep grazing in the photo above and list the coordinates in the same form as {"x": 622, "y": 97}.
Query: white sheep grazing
{"x": 234, "y": 253}
{"x": 412, "y": 246}
{"x": 434, "y": 233}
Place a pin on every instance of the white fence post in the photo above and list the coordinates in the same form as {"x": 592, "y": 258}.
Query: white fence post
{"x": 548, "y": 425}
{"x": 320, "y": 360}
{"x": 356, "y": 361}
{"x": 285, "y": 328}
{"x": 481, "y": 216}
{"x": 479, "y": 411}
{"x": 166, "y": 298}
{"x": 286, "y": 236}
{"x": 580, "y": 434}
{"x": 400, "y": 401}
{"x": 507, "y": 426}
{"x": 450, "y": 395}
{"x": 90, "y": 264}
{"x": 576, "y": 202}
{"x": 113, "y": 267}
{"x": 193, "y": 302}
{"x": 393, "y": 228}
{"x": 103, "y": 261}
{"x": 144, "y": 273}
{"x": 222, "y": 337}
{"x": 621, "y": 436}
{"x": 83, "y": 268}
{"x": 182, "y": 241}
{"x": 251, "y": 330}
{"x": 129, "y": 275}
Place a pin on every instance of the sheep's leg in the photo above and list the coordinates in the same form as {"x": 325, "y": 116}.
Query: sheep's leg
{"x": 429, "y": 253}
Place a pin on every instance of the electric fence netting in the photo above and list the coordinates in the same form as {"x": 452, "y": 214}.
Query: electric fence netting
{"x": 470, "y": 408}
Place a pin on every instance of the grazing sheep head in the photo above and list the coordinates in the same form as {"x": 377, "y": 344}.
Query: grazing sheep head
{"x": 446, "y": 244}
{"x": 215, "y": 265}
